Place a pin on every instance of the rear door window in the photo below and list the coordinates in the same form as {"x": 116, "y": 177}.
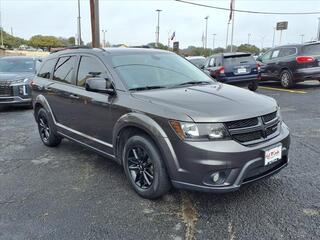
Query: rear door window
{"x": 64, "y": 69}
{"x": 313, "y": 49}
{"x": 212, "y": 62}
{"x": 285, "y": 52}
{"x": 46, "y": 68}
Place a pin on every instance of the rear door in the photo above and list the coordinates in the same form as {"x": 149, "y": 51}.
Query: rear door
{"x": 239, "y": 65}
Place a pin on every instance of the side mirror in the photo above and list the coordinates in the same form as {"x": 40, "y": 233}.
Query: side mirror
{"x": 100, "y": 85}
{"x": 201, "y": 66}
{"x": 259, "y": 59}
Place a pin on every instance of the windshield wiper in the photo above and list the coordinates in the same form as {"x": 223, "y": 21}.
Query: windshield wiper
{"x": 193, "y": 83}
{"x": 146, "y": 88}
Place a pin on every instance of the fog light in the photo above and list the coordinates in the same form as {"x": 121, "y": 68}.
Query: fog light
{"x": 218, "y": 177}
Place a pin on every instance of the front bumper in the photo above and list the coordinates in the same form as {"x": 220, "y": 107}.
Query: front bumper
{"x": 243, "y": 164}
{"x": 16, "y": 95}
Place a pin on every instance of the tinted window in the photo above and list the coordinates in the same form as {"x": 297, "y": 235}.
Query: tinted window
{"x": 313, "y": 49}
{"x": 212, "y": 62}
{"x": 156, "y": 69}
{"x": 238, "y": 60}
{"x": 46, "y": 68}
{"x": 15, "y": 65}
{"x": 284, "y": 52}
{"x": 64, "y": 69}
{"x": 266, "y": 56}
{"x": 90, "y": 67}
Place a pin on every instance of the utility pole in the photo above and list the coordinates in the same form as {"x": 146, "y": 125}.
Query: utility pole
{"x": 318, "y": 37}
{"x": 214, "y": 36}
{"x": 79, "y": 25}
{"x": 227, "y": 38}
{"x": 274, "y": 34}
{"x": 95, "y": 32}
{"x": 249, "y": 35}
{"x": 280, "y": 37}
{"x": 206, "y": 37}
{"x": 301, "y": 35}
{"x": 1, "y": 30}
{"x": 232, "y": 29}
{"x": 104, "y": 38}
{"x": 158, "y": 28}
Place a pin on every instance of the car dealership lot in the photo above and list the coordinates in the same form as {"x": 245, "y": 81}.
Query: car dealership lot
{"x": 71, "y": 193}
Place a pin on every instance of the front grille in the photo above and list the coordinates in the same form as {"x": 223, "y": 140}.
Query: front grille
{"x": 254, "y": 130}
{"x": 247, "y": 137}
{"x": 242, "y": 123}
{"x": 269, "y": 117}
{"x": 5, "y": 90}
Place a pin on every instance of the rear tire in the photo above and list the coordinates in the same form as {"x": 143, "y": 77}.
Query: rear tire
{"x": 144, "y": 167}
{"x": 253, "y": 86}
{"x": 46, "y": 129}
{"x": 286, "y": 79}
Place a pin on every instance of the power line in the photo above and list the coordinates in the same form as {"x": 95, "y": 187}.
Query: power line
{"x": 247, "y": 11}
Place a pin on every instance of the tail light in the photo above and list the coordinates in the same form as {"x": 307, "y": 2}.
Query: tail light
{"x": 221, "y": 70}
{"x": 305, "y": 59}
{"x": 258, "y": 66}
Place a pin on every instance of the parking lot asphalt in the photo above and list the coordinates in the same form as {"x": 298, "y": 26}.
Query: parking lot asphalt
{"x": 69, "y": 192}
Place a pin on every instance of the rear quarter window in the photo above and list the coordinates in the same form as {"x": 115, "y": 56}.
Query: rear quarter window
{"x": 313, "y": 49}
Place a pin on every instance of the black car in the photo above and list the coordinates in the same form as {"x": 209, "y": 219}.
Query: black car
{"x": 233, "y": 68}
{"x": 16, "y": 74}
{"x": 290, "y": 64}
{"x": 161, "y": 118}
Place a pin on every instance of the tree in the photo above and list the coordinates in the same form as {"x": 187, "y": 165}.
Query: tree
{"x": 72, "y": 41}
{"x": 248, "y": 48}
{"x": 11, "y": 41}
{"x": 160, "y": 46}
{"x": 40, "y": 41}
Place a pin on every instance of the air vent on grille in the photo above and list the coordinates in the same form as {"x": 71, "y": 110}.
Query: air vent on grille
{"x": 269, "y": 117}
{"x": 242, "y": 123}
{"x": 5, "y": 91}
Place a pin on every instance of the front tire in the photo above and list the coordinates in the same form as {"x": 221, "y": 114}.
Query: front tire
{"x": 286, "y": 79}
{"x": 144, "y": 167}
{"x": 46, "y": 129}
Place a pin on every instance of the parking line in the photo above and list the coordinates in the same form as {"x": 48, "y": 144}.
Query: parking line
{"x": 283, "y": 90}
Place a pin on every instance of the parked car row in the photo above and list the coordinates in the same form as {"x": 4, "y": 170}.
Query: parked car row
{"x": 288, "y": 64}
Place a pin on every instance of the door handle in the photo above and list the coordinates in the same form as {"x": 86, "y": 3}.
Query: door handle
{"x": 73, "y": 96}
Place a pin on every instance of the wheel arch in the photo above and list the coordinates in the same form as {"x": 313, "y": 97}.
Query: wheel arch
{"x": 132, "y": 123}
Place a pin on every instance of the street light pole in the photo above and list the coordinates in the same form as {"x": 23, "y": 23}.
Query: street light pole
{"x": 249, "y": 35}
{"x": 318, "y": 38}
{"x": 301, "y": 35}
{"x": 214, "y": 36}
{"x": 227, "y": 38}
{"x": 232, "y": 29}
{"x": 95, "y": 32}
{"x": 158, "y": 28}
{"x": 206, "y": 39}
{"x": 274, "y": 34}
{"x": 104, "y": 37}
{"x": 79, "y": 25}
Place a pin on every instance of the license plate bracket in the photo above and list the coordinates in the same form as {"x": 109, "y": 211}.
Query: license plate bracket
{"x": 272, "y": 154}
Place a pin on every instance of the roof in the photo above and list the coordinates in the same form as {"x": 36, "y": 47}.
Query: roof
{"x": 195, "y": 57}
{"x": 235, "y": 54}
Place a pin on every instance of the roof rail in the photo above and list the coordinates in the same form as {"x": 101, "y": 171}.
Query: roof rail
{"x": 74, "y": 47}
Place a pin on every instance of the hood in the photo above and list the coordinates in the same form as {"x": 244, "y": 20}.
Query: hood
{"x": 12, "y": 77}
{"x": 211, "y": 103}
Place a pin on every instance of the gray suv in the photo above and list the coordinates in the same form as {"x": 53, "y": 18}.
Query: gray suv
{"x": 160, "y": 117}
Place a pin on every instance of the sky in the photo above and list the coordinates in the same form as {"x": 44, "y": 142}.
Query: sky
{"x": 133, "y": 22}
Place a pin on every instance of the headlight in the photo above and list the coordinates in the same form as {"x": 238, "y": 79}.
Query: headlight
{"x": 200, "y": 131}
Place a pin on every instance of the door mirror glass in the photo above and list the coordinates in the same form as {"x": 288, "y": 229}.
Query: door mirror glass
{"x": 100, "y": 85}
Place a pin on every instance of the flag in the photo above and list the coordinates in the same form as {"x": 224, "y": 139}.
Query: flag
{"x": 173, "y": 35}
{"x": 231, "y": 10}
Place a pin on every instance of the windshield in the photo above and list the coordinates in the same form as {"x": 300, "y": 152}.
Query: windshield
{"x": 15, "y": 65}
{"x": 148, "y": 70}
